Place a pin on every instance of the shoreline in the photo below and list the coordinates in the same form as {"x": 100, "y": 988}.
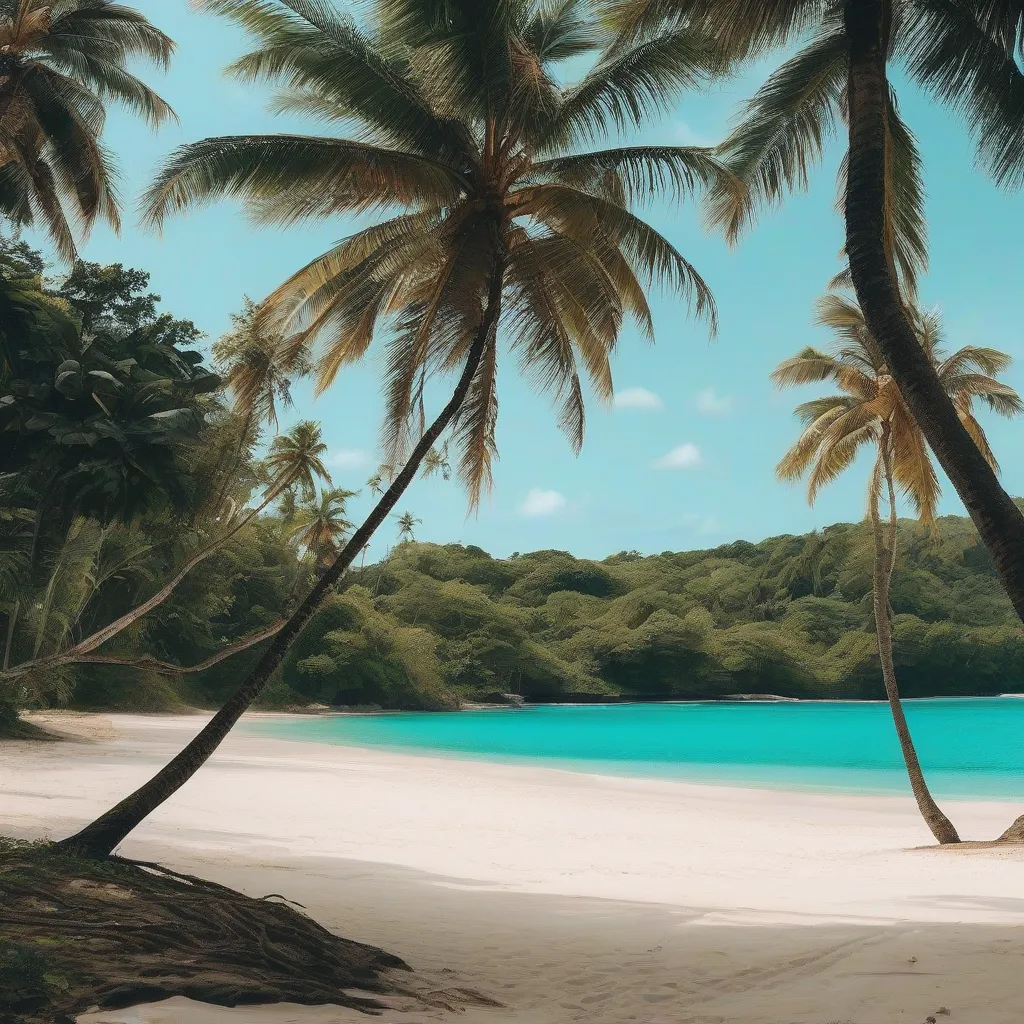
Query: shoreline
{"x": 850, "y": 778}
{"x": 568, "y": 897}
{"x": 325, "y": 711}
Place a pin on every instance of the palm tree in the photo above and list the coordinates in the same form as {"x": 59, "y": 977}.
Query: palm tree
{"x": 382, "y": 476}
{"x": 60, "y": 62}
{"x": 462, "y": 125}
{"x": 295, "y": 461}
{"x": 407, "y": 524}
{"x": 961, "y": 52}
{"x": 246, "y": 357}
{"x": 870, "y": 410}
{"x": 437, "y": 462}
{"x": 320, "y": 524}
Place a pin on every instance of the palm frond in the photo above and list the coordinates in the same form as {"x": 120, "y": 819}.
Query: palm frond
{"x": 959, "y": 53}
{"x": 644, "y": 171}
{"x": 841, "y": 441}
{"x": 311, "y": 46}
{"x": 628, "y": 86}
{"x": 560, "y": 29}
{"x": 782, "y": 132}
{"x": 988, "y": 360}
{"x": 743, "y": 27}
{"x": 812, "y": 366}
{"x": 111, "y": 28}
{"x": 305, "y": 176}
{"x": 541, "y": 337}
{"x": 912, "y": 466}
{"x": 999, "y": 397}
{"x": 435, "y": 327}
{"x": 570, "y": 282}
{"x": 574, "y": 212}
{"x": 473, "y": 428}
{"x": 818, "y": 416}
{"x": 109, "y": 80}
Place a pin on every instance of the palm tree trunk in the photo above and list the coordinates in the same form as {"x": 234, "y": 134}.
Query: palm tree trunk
{"x": 12, "y": 622}
{"x": 101, "y": 636}
{"x": 885, "y": 555}
{"x": 999, "y": 521}
{"x": 166, "y": 668}
{"x": 103, "y": 835}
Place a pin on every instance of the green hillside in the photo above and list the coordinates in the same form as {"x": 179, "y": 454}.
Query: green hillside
{"x": 434, "y": 625}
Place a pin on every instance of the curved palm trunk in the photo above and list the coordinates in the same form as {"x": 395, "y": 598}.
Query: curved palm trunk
{"x": 103, "y": 835}
{"x": 885, "y": 555}
{"x": 1000, "y": 523}
{"x": 75, "y": 654}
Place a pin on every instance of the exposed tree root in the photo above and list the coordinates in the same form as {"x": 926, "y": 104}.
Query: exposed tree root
{"x": 76, "y": 933}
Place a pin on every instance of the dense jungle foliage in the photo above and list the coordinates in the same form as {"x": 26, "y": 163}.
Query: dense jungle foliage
{"x": 120, "y": 452}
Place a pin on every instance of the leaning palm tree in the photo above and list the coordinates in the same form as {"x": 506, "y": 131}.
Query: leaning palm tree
{"x": 295, "y": 461}
{"x": 507, "y": 221}
{"x": 407, "y": 524}
{"x": 60, "y": 62}
{"x": 964, "y": 53}
{"x": 870, "y": 411}
{"x": 319, "y": 525}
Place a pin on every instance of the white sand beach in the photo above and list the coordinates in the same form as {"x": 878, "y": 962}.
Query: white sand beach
{"x": 567, "y": 897}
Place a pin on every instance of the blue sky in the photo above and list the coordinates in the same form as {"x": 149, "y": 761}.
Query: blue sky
{"x": 686, "y": 457}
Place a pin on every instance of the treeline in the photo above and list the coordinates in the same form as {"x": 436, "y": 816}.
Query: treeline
{"x": 122, "y": 456}
{"x": 435, "y": 625}
{"x": 789, "y": 616}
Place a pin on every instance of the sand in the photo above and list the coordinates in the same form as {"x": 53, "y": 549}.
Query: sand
{"x": 568, "y": 897}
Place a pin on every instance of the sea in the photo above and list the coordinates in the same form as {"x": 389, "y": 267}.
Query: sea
{"x": 970, "y": 748}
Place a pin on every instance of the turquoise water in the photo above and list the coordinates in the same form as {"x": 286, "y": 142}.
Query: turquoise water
{"x": 969, "y": 748}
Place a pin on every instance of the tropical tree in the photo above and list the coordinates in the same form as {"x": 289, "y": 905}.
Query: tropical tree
{"x": 437, "y": 462}
{"x": 380, "y": 478}
{"x": 964, "y": 53}
{"x": 60, "y": 62}
{"x": 870, "y": 411}
{"x": 295, "y": 461}
{"x": 319, "y": 525}
{"x": 505, "y": 221}
{"x": 407, "y": 524}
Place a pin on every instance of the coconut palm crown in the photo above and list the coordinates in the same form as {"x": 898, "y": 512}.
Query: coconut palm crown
{"x": 478, "y": 165}
{"x": 320, "y": 524}
{"x": 61, "y": 61}
{"x": 868, "y": 409}
{"x": 296, "y": 460}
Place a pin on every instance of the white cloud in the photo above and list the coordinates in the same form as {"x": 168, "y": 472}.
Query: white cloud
{"x": 542, "y": 503}
{"x": 348, "y": 458}
{"x": 637, "y": 398}
{"x": 683, "y": 456}
{"x": 710, "y": 403}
